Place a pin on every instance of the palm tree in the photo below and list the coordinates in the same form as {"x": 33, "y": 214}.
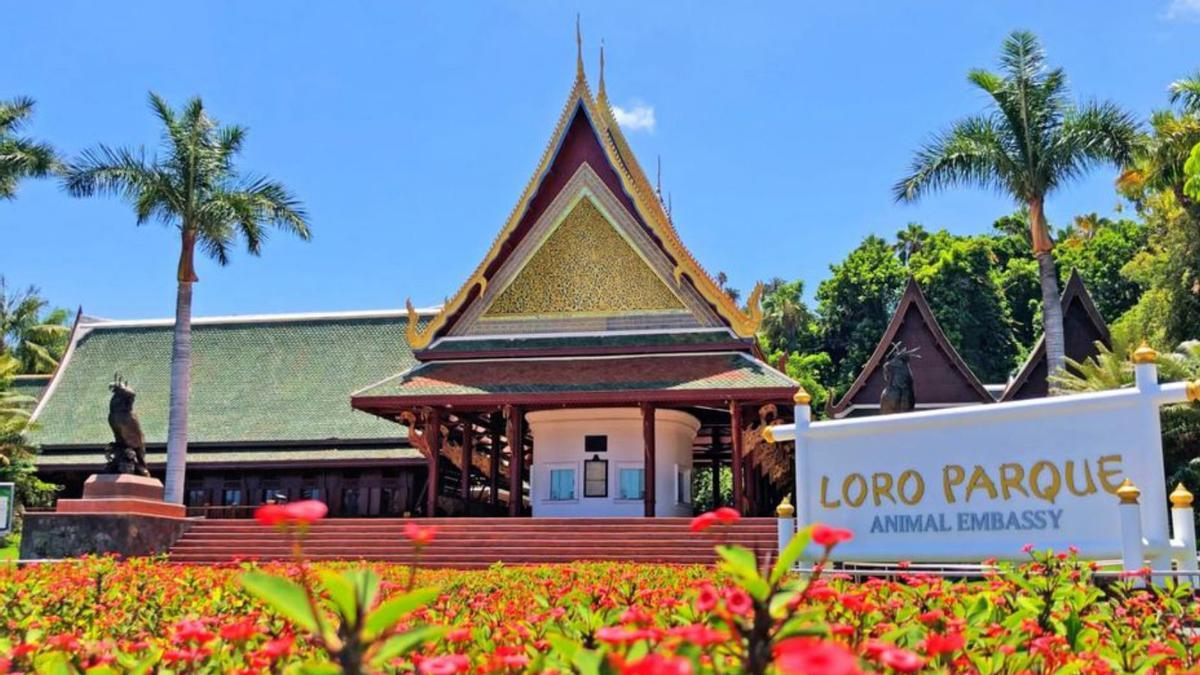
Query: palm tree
{"x": 34, "y": 338}
{"x": 1187, "y": 93}
{"x": 20, "y": 157}
{"x": 910, "y": 240}
{"x": 1031, "y": 143}
{"x": 194, "y": 187}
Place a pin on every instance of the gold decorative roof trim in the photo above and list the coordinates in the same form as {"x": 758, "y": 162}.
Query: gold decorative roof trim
{"x": 633, "y": 179}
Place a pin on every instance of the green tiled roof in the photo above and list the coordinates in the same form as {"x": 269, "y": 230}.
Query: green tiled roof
{"x": 252, "y": 381}
{"x": 50, "y": 460}
{"x": 681, "y": 372}
{"x": 30, "y": 385}
{"x": 584, "y": 342}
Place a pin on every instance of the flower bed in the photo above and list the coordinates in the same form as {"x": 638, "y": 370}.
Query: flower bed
{"x": 133, "y": 616}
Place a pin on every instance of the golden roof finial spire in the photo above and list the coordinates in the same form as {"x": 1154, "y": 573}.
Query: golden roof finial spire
{"x": 658, "y": 179}
{"x": 600, "y": 90}
{"x": 578, "y": 49}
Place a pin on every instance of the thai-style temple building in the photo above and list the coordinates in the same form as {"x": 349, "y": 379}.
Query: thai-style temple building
{"x": 589, "y": 366}
{"x": 940, "y": 376}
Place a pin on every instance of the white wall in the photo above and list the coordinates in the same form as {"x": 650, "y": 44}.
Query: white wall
{"x": 558, "y": 443}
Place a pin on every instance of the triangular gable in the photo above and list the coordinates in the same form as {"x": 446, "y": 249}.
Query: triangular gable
{"x": 583, "y": 267}
{"x": 585, "y": 134}
{"x": 1082, "y": 327}
{"x": 940, "y": 376}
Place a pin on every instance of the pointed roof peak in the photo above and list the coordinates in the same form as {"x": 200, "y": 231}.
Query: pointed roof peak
{"x": 601, "y": 92}
{"x": 579, "y": 76}
{"x": 956, "y": 382}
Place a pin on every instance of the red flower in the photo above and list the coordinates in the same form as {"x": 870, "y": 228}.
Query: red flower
{"x": 239, "y": 631}
{"x": 278, "y": 648}
{"x": 419, "y": 536}
{"x": 826, "y": 536}
{"x": 703, "y": 521}
{"x": 444, "y": 665}
{"x": 901, "y": 660}
{"x": 307, "y": 511}
{"x": 192, "y": 631}
{"x": 809, "y": 656}
{"x": 657, "y": 664}
{"x": 721, "y": 516}
{"x": 738, "y": 602}
{"x": 271, "y": 514}
{"x": 943, "y": 644}
{"x": 726, "y": 515}
{"x": 304, "y": 512}
{"x": 707, "y": 599}
{"x": 621, "y": 636}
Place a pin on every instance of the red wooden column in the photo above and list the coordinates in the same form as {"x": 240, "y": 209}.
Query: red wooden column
{"x": 648, "y": 445}
{"x": 433, "y": 440}
{"x": 494, "y": 468}
{"x": 735, "y": 437}
{"x": 516, "y": 458}
{"x": 468, "y": 453}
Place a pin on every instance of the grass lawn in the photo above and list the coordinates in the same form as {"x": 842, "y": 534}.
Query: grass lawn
{"x": 8, "y": 551}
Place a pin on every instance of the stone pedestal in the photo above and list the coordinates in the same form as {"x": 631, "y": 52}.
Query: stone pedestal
{"x": 122, "y": 493}
{"x": 118, "y": 513}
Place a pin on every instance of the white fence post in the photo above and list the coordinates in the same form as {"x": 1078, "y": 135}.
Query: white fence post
{"x": 1183, "y": 531}
{"x": 786, "y": 515}
{"x": 1132, "y": 554}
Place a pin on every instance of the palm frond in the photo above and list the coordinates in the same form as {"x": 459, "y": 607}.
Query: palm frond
{"x": 972, "y": 152}
{"x": 1186, "y": 92}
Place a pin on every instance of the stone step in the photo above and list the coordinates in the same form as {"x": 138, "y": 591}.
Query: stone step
{"x": 476, "y": 542}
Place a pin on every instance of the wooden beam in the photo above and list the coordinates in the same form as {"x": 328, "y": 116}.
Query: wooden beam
{"x": 433, "y": 438}
{"x": 512, "y": 415}
{"x": 468, "y": 453}
{"x": 649, "y": 457}
{"x": 735, "y": 437}
{"x": 494, "y": 468}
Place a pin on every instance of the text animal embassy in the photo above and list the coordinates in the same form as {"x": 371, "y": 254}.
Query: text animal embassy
{"x": 967, "y": 521}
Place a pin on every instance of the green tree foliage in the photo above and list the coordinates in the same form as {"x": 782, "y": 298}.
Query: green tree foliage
{"x": 855, "y": 305}
{"x": 34, "y": 335}
{"x": 1098, "y": 252}
{"x": 788, "y": 324}
{"x": 909, "y": 241}
{"x": 956, "y": 274}
{"x": 20, "y": 157}
{"x": 1168, "y": 312}
{"x": 16, "y": 456}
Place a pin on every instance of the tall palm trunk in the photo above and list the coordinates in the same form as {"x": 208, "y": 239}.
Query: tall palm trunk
{"x": 181, "y": 373}
{"x": 1052, "y": 316}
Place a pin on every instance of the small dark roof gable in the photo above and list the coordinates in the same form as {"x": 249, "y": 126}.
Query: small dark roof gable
{"x": 1083, "y": 327}
{"x": 940, "y": 376}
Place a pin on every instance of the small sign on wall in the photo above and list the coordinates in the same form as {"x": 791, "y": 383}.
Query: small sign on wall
{"x": 8, "y": 504}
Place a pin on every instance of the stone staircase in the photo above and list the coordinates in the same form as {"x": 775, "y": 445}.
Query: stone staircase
{"x": 477, "y": 542}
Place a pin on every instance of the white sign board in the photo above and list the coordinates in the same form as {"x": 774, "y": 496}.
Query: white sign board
{"x": 8, "y": 503}
{"x": 971, "y": 483}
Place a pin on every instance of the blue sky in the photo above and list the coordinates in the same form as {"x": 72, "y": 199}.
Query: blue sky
{"x": 409, "y": 129}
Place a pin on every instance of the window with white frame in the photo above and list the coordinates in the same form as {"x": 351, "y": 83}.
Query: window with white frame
{"x": 631, "y": 482}
{"x": 683, "y": 485}
{"x": 562, "y": 484}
